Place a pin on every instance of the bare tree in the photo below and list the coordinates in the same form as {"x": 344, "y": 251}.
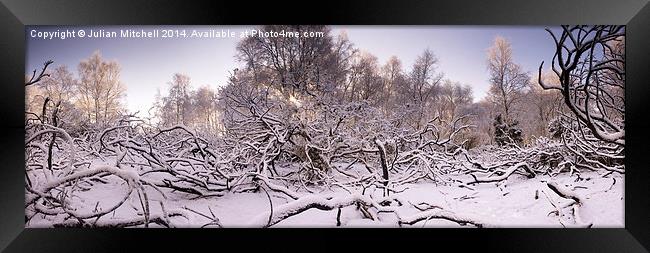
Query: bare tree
{"x": 507, "y": 79}
{"x": 179, "y": 97}
{"x": 365, "y": 82}
{"x": 205, "y": 109}
{"x": 100, "y": 89}
{"x": 339, "y": 62}
{"x": 55, "y": 93}
{"x": 424, "y": 79}
{"x": 424, "y": 88}
{"x": 453, "y": 96}
{"x": 590, "y": 64}
{"x": 177, "y": 106}
{"x": 289, "y": 63}
{"x": 394, "y": 81}
{"x": 540, "y": 107}
{"x": 36, "y": 78}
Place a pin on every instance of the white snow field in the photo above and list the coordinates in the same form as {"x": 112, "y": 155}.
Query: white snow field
{"x": 515, "y": 202}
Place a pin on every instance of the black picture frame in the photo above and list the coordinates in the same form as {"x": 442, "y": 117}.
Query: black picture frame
{"x": 15, "y": 14}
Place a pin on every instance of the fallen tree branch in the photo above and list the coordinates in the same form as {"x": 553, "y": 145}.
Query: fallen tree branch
{"x": 506, "y": 174}
{"x": 326, "y": 204}
{"x": 577, "y": 203}
{"x": 440, "y": 214}
{"x": 563, "y": 192}
{"x": 305, "y": 203}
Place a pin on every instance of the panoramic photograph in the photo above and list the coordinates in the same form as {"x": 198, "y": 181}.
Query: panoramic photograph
{"x": 325, "y": 126}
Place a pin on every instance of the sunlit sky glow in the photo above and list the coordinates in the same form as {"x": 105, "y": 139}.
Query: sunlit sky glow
{"x": 148, "y": 64}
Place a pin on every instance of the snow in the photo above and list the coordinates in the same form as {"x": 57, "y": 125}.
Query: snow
{"x": 510, "y": 203}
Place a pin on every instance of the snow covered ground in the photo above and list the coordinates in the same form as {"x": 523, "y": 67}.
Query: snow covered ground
{"x": 515, "y": 202}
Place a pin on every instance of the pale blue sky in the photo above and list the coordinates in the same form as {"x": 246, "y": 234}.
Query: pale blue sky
{"x": 148, "y": 64}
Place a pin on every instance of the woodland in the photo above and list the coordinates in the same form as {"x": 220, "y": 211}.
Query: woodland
{"x": 316, "y": 132}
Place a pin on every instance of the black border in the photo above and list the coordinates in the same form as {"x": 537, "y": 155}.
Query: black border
{"x": 15, "y": 14}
